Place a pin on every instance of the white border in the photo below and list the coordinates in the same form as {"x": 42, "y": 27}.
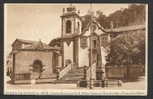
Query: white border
{"x": 75, "y": 91}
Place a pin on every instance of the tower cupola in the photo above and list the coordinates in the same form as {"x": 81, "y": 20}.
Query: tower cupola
{"x": 71, "y": 21}
{"x": 71, "y": 9}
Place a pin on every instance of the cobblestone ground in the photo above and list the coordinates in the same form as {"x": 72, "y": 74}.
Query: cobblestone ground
{"x": 138, "y": 85}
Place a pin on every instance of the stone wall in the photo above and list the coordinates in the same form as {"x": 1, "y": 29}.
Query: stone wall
{"x": 24, "y": 59}
{"x": 124, "y": 72}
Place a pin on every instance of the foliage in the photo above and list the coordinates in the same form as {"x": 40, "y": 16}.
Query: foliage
{"x": 86, "y": 19}
{"x": 134, "y": 14}
{"x": 128, "y": 48}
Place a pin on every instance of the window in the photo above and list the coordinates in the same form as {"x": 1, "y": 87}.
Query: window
{"x": 68, "y": 26}
{"x": 93, "y": 28}
{"x": 83, "y": 41}
{"x": 78, "y": 27}
{"x": 104, "y": 40}
{"x": 94, "y": 43}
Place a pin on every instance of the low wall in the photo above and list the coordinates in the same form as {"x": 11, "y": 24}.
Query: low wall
{"x": 124, "y": 72}
{"x": 115, "y": 72}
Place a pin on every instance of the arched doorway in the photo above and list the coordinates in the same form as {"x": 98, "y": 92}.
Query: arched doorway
{"x": 37, "y": 69}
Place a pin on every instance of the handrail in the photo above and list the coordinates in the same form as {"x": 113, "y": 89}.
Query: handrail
{"x": 65, "y": 71}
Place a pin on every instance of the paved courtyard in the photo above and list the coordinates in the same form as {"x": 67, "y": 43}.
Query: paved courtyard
{"x": 138, "y": 85}
{"x": 128, "y": 88}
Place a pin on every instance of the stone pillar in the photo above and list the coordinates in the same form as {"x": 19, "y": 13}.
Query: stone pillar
{"x": 104, "y": 61}
{"x": 58, "y": 71}
{"x": 60, "y": 61}
{"x": 103, "y": 77}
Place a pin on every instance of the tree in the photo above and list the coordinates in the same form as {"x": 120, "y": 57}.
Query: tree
{"x": 102, "y": 19}
{"x": 85, "y": 20}
{"x": 126, "y": 48}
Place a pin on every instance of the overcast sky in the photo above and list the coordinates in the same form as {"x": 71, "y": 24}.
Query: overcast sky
{"x": 42, "y": 21}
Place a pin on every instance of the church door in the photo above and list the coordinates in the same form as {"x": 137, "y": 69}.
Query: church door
{"x": 37, "y": 69}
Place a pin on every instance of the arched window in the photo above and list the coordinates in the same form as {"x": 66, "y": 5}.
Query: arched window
{"x": 78, "y": 27}
{"x": 68, "y": 26}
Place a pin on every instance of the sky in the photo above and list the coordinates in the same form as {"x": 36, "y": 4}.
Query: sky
{"x": 42, "y": 21}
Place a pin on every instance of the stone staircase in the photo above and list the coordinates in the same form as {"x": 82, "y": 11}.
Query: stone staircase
{"x": 72, "y": 76}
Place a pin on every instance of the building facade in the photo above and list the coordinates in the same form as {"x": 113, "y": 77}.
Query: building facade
{"x": 33, "y": 60}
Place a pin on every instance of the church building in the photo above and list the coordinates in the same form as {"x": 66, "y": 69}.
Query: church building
{"x": 82, "y": 47}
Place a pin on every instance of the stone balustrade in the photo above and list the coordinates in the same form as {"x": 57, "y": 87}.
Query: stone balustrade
{"x": 65, "y": 71}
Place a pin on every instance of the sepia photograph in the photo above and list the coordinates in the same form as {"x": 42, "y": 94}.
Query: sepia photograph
{"x": 75, "y": 49}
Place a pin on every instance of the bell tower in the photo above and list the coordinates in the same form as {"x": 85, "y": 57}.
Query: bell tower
{"x": 71, "y": 21}
{"x": 71, "y": 25}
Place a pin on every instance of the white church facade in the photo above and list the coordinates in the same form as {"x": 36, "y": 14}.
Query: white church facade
{"x": 82, "y": 47}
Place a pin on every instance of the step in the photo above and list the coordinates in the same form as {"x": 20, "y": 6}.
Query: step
{"x": 72, "y": 78}
{"x": 45, "y": 76}
{"x": 78, "y": 74}
{"x": 47, "y": 80}
{"x": 73, "y": 75}
{"x": 65, "y": 81}
{"x": 74, "y": 71}
{"x": 69, "y": 76}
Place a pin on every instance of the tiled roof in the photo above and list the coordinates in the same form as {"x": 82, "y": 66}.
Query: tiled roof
{"x": 25, "y": 41}
{"x": 95, "y": 22}
{"x": 126, "y": 28}
{"x": 35, "y": 45}
{"x": 58, "y": 39}
{"x": 120, "y": 29}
